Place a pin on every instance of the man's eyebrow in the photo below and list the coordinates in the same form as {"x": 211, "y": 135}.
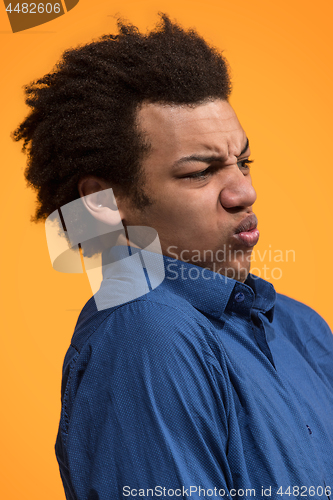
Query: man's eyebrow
{"x": 206, "y": 159}
{"x": 245, "y": 147}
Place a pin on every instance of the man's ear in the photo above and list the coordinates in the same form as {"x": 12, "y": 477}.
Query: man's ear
{"x": 99, "y": 199}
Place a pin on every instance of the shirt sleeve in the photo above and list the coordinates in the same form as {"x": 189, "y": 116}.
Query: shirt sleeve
{"x": 149, "y": 416}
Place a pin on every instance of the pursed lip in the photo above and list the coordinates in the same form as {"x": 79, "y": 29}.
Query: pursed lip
{"x": 247, "y": 224}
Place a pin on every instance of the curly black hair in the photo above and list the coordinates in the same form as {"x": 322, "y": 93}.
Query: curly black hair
{"x": 83, "y": 113}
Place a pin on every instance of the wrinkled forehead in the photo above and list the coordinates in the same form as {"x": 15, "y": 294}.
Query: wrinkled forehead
{"x": 211, "y": 126}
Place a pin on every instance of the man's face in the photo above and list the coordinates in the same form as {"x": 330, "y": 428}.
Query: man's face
{"x": 198, "y": 179}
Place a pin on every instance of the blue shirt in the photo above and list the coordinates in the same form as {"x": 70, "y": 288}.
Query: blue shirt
{"x": 204, "y": 387}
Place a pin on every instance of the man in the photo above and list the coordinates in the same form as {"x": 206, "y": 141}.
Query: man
{"x": 209, "y": 385}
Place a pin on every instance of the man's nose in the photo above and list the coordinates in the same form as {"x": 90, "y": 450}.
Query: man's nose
{"x": 237, "y": 190}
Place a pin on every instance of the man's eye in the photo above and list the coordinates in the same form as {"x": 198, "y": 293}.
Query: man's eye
{"x": 244, "y": 163}
{"x": 199, "y": 176}
{"x": 203, "y": 174}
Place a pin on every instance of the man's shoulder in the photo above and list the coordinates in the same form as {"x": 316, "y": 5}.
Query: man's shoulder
{"x": 151, "y": 332}
{"x": 296, "y": 308}
{"x": 293, "y": 313}
{"x": 156, "y": 315}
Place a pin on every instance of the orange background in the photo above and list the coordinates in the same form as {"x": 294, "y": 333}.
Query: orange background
{"x": 280, "y": 55}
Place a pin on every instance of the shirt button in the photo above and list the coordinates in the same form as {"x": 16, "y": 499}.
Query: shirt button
{"x": 239, "y": 297}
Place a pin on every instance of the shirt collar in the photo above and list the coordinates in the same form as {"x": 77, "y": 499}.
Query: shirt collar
{"x": 215, "y": 294}
{"x": 207, "y": 291}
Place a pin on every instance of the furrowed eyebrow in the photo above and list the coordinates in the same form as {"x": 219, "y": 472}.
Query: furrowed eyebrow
{"x": 206, "y": 159}
{"x": 245, "y": 147}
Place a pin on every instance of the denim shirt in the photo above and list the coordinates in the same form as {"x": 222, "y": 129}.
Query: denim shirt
{"x": 203, "y": 387}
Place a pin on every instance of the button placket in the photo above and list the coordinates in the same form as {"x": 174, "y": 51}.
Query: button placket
{"x": 259, "y": 331}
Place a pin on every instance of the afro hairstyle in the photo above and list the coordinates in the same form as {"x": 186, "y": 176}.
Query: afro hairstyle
{"x": 82, "y": 119}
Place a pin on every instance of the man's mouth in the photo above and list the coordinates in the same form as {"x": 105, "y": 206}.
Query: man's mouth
{"x": 246, "y": 232}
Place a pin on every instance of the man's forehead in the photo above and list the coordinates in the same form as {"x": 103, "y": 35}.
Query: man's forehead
{"x": 211, "y": 126}
{"x": 184, "y": 114}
